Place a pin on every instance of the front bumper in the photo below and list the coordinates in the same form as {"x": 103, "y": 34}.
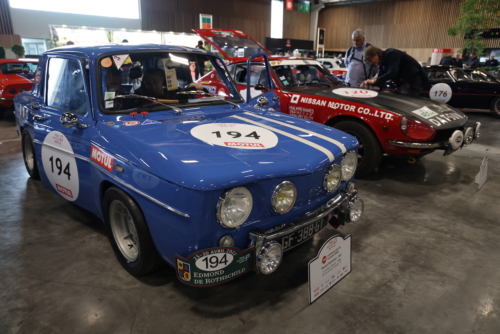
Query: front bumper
{"x": 340, "y": 205}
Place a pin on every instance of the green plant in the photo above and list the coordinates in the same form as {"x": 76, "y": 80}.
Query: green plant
{"x": 476, "y": 17}
{"x": 18, "y": 50}
{"x": 2, "y": 52}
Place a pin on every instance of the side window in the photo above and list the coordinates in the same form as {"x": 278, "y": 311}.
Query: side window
{"x": 240, "y": 74}
{"x": 327, "y": 64}
{"x": 438, "y": 76}
{"x": 65, "y": 86}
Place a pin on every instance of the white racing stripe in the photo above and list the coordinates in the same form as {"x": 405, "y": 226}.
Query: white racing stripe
{"x": 336, "y": 142}
{"x": 302, "y": 140}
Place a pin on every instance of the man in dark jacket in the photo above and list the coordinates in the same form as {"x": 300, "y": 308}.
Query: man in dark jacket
{"x": 447, "y": 61}
{"x": 457, "y": 61}
{"x": 473, "y": 61}
{"x": 492, "y": 61}
{"x": 397, "y": 66}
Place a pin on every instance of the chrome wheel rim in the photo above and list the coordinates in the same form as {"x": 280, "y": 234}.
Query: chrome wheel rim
{"x": 496, "y": 106}
{"x": 124, "y": 230}
{"x": 28, "y": 155}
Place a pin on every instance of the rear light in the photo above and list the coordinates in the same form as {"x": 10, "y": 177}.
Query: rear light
{"x": 12, "y": 91}
{"x": 416, "y": 129}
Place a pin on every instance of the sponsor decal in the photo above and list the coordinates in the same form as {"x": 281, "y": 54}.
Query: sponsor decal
{"x": 150, "y": 121}
{"x": 101, "y": 158}
{"x": 355, "y": 92}
{"x": 295, "y": 98}
{"x": 219, "y": 62}
{"x": 59, "y": 165}
{"x": 211, "y": 89}
{"x": 38, "y": 76}
{"x": 214, "y": 266}
{"x": 301, "y": 112}
{"x": 425, "y": 112}
{"x": 442, "y": 119}
{"x": 64, "y": 191}
{"x": 131, "y": 123}
{"x": 236, "y": 135}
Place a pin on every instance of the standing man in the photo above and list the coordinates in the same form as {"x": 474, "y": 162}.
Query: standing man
{"x": 492, "y": 61}
{"x": 457, "y": 61}
{"x": 473, "y": 61}
{"x": 357, "y": 69}
{"x": 397, "y": 66}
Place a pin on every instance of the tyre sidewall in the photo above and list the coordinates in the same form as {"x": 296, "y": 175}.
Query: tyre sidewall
{"x": 148, "y": 258}
{"x": 33, "y": 172}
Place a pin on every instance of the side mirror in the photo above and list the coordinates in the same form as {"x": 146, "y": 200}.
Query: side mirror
{"x": 69, "y": 120}
{"x": 260, "y": 87}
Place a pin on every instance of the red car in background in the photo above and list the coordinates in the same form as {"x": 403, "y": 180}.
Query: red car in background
{"x": 383, "y": 122}
{"x": 16, "y": 76}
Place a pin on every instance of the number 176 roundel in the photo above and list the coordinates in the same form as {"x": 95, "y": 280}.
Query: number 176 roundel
{"x": 383, "y": 122}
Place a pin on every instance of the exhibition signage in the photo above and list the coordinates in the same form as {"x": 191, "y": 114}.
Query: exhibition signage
{"x": 206, "y": 21}
{"x": 332, "y": 264}
{"x": 304, "y": 7}
{"x": 214, "y": 266}
{"x": 289, "y": 4}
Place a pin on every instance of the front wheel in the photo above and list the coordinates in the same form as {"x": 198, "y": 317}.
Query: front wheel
{"x": 129, "y": 234}
{"x": 495, "y": 107}
{"x": 369, "y": 152}
{"x": 29, "y": 156}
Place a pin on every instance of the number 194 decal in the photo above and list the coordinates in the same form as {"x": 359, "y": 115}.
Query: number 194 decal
{"x": 235, "y": 135}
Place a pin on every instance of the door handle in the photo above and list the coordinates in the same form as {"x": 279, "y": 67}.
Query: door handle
{"x": 35, "y": 106}
{"x": 39, "y": 118}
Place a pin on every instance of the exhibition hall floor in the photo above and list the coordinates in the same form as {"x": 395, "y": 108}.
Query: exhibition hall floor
{"x": 424, "y": 260}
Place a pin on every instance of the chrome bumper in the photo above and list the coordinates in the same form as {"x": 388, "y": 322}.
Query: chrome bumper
{"x": 340, "y": 202}
{"x": 6, "y": 98}
{"x": 409, "y": 144}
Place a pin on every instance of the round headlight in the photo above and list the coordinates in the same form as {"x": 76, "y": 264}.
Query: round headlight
{"x": 332, "y": 178}
{"x": 269, "y": 257}
{"x": 349, "y": 165}
{"x": 234, "y": 207}
{"x": 284, "y": 197}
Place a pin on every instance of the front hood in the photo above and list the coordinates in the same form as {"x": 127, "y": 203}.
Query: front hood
{"x": 206, "y": 151}
{"x": 438, "y": 115}
{"x": 17, "y": 79}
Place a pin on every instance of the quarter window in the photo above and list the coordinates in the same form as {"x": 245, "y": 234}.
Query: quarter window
{"x": 65, "y": 86}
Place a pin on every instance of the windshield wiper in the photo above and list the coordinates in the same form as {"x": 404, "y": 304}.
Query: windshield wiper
{"x": 162, "y": 102}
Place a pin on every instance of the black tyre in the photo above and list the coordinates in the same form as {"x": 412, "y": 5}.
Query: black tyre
{"x": 129, "y": 234}
{"x": 495, "y": 107}
{"x": 369, "y": 152}
{"x": 29, "y": 156}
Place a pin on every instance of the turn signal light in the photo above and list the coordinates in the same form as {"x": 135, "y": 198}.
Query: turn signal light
{"x": 416, "y": 129}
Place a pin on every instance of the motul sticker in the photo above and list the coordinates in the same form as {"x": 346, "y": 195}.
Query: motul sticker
{"x": 64, "y": 191}
{"x": 355, "y": 92}
{"x": 101, "y": 158}
{"x": 235, "y": 135}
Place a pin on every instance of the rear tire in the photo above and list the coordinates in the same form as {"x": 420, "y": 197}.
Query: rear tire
{"x": 129, "y": 234}
{"x": 369, "y": 152}
{"x": 495, "y": 107}
{"x": 29, "y": 156}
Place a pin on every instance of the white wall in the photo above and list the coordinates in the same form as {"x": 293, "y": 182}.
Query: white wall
{"x": 35, "y": 24}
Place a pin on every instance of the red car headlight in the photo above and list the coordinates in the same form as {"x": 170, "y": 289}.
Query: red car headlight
{"x": 416, "y": 129}
{"x": 12, "y": 91}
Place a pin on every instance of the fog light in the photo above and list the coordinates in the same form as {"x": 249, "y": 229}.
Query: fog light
{"x": 351, "y": 187}
{"x": 269, "y": 257}
{"x": 356, "y": 210}
{"x": 468, "y": 136}
{"x": 456, "y": 139}
{"x": 226, "y": 241}
{"x": 477, "y": 130}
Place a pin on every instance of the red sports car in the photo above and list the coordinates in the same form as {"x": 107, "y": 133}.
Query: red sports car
{"x": 16, "y": 75}
{"x": 383, "y": 122}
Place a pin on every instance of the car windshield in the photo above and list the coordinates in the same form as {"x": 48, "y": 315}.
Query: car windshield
{"x": 459, "y": 75}
{"x": 18, "y": 67}
{"x": 304, "y": 75}
{"x": 236, "y": 46}
{"x": 482, "y": 76}
{"x": 155, "y": 79}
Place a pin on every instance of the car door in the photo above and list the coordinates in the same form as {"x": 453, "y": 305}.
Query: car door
{"x": 266, "y": 97}
{"x": 62, "y": 129}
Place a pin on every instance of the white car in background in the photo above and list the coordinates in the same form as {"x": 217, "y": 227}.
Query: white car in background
{"x": 336, "y": 66}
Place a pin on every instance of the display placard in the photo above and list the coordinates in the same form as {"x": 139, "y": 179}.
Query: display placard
{"x": 482, "y": 176}
{"x": 214, "y": 266}
{"x": 332, "y": 264}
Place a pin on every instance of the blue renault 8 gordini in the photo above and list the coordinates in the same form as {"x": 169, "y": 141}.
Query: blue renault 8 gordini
{"x": 180, "y": 170}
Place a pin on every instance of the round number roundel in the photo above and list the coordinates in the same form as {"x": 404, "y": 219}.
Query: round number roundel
{"x": 355, "y": 92}
{"x": 235, "y": 135}
{"x": 440, "y": 92}
{"x": 59, "y": 165}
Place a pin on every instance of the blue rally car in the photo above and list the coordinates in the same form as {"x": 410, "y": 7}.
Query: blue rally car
{"x": 179, "y": 171}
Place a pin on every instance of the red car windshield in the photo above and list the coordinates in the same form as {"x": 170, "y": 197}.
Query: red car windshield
{"x": 18, "y": 67}
{"x": 304, "y": 75}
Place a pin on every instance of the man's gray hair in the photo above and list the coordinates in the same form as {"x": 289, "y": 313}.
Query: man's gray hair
{"x": 358, "y": 33}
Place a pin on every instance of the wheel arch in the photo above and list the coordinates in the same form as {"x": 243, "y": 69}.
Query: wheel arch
{"x": 340, "y": 118}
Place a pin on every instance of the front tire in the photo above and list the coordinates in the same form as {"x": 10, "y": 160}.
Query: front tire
{"x": 29, "y": 156}
{"x": 129, "y": 234}
{"x": 369, "y": 152}
{"x": 495, "y": 107}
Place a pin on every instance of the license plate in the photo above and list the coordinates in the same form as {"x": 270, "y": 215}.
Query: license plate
{"x": 293, "y": 239}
